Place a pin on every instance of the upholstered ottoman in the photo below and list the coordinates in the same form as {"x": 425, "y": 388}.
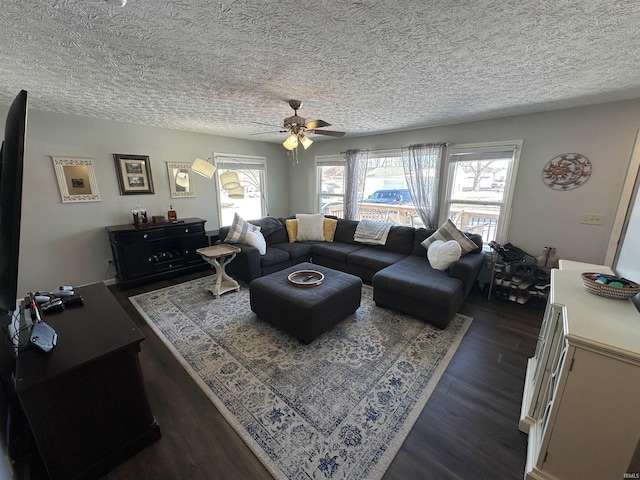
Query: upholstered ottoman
{"x": 305, "y": 312}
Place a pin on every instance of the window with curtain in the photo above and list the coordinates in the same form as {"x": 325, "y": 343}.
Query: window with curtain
{"x": 249, "y": 198}
{"x": 480, "y": 181}
{"x": 382, "y": 191}
{"x": 330, "y": 181}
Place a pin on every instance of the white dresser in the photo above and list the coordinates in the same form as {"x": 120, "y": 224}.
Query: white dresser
{"x": 581, "y": 402}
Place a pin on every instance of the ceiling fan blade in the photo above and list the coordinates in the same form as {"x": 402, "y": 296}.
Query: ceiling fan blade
{"x": 316, "y": 124}
{"x": 331, "y": 133}
{"x": 265, "y": 133}
{"x": 268, "y": 124}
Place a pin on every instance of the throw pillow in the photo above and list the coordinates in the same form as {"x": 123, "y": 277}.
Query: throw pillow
{"x": 256, "y": 239}
{"x": 442, "y": 255}
{"x": 239, "y": 229}
{"x": 292, "y": 229}
{"x": 448, "y": 231}
{"x": 330, "y": 225}
{"x": 310, "y": 226}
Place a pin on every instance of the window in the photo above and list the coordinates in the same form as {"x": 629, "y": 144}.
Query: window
{"x": 249, "y": 199}
{"x": 480, "y": 181}
{"x": 330, "y": 185}
{"x": 382, "y": 197}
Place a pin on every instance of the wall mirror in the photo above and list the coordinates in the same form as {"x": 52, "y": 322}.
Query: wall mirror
{"x": 180, "y": 180}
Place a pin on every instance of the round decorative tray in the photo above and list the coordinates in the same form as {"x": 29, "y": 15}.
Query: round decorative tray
{"x": 306, "y": 278}
{"x": 609, "y": 286}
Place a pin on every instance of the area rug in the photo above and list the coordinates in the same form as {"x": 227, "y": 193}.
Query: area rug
{"x": 337, "y": 408}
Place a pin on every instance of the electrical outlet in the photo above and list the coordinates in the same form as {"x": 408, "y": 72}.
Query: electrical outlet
{"x": 109, "y": 262}
{"x": 592, "y": 218}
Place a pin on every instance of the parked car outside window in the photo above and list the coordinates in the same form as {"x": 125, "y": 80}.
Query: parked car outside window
{"x": 398, "y": 196}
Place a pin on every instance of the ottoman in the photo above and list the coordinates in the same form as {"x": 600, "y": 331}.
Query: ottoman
{"x": 305, "y": 312}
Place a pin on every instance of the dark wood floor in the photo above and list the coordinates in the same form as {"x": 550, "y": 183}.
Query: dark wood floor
{"x": 468, "y": 429}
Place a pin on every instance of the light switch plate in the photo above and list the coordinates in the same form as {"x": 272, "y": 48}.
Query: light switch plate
{"x": 592, "y": 218}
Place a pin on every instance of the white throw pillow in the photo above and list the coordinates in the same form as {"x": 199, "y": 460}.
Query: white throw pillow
{"x": 256, "y": 239}
{"x": 310, "y": 226}
{"x": 239, "y": 229}
{"x": 442, "y": 255}
{"x": 448, "y": 231}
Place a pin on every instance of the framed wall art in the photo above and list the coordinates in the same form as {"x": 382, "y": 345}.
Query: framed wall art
{"x": 76, "y": 179}
{"x": 180, "y": 180}
{"x": 134, "y": 174}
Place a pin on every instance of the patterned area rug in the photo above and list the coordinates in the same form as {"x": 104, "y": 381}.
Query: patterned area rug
{"x": 337, "y": 408}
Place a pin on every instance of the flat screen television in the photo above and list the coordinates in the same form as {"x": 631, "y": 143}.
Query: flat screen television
{"x": 11, "y": 172}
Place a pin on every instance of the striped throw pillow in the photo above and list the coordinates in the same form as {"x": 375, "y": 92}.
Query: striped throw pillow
{"x": 239, "y": 229}
{"x": 447, "y": 232}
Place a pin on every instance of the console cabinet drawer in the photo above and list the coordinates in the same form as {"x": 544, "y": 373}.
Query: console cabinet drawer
{"x": 139, "y": 237}
{"x": 184, "y": 230}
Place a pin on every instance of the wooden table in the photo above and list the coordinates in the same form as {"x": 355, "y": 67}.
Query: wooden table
{"x": 218, "y": 256}
{"x": 85, "y": 401}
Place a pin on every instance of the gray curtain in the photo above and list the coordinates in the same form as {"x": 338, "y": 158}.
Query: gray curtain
{"x": 354, "y": 176}
{"x": 422, "y": 171}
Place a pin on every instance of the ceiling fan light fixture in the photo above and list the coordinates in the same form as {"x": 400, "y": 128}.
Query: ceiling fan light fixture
{"x": 291, "y": 142}
{"x": 229, "y": 180}
{"x": 204, "y": 168}
{"x": 305, "y": 141}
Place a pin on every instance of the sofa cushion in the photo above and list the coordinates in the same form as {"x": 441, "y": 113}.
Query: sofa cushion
{"x": 345, "y": 230}
{"x": 442, "y": 254}
{"x": 328, "y": 227}
{"x": 255, "y": 239}
{"x": 336, "y": 250}
{"x": 416, "y": 279}
{"x": 374, "y": 258}
{"x": 239, "y": 229}
{"x": 273, "y": 256}
{"x": 272, "y": 229}
{"x": 400, "y": 239}
{"x": 310, "y": 226}
{"x": 448, "y": 231}
{"x": 295, "y": 250}
{"x": 421, "y": 234}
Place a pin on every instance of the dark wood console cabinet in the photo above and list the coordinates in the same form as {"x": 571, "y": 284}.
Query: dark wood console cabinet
{"x": 85, "y": 402}
{"x": 154, "y": 251}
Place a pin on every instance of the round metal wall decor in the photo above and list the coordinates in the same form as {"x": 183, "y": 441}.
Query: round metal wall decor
{"x": 566, "y": 171}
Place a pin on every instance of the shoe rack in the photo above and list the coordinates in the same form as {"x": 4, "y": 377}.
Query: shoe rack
{"x": 519, "y": 282}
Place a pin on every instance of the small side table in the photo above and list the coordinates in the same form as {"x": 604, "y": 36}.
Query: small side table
{"x": 218, "y": 256}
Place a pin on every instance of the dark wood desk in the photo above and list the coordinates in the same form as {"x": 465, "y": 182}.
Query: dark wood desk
{"x": 85, "y": 401}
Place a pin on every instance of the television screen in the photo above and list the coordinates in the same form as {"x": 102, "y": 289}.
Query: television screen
{"x": 11, "y": 170}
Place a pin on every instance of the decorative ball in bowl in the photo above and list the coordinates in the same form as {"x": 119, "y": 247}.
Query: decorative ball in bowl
{"x": 609, "y": 286}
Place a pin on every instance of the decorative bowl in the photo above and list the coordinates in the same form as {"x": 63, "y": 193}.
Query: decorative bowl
{"x": 609, "y": 286}
{"x": 306, "y": 278}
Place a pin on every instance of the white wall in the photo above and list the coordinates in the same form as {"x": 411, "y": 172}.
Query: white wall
{"x": 67, "y": 244}
{"x": 541, "y": 216}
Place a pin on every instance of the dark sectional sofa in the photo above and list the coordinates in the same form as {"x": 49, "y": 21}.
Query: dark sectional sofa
{"x": 399, "y": 271}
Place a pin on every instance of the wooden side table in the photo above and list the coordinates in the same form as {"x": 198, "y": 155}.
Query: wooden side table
{"x": 218, "y": 256}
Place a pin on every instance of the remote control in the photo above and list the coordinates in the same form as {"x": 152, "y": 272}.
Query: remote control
{"x": 63, "y": 293}
{"x": 64, "y": 287}
{"x": 73, "y": 300}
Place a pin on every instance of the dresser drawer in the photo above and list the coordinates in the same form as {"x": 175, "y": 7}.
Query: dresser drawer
{"x": 138, "y": 237}
{"x": 181, "y": 230}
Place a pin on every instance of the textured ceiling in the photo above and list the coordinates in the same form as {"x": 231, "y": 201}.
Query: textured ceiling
{"x": 365, "y": 66}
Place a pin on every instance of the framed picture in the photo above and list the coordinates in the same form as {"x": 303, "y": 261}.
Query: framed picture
{"x": 76, "y": 179}
{"x": 134, "y": 174}
{"x": 180, "y": 180}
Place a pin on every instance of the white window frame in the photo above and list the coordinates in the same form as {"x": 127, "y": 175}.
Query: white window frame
{"x": 502, "y": 228}
{"x": 233, "y": 161}
{"x": 326, "y": 161}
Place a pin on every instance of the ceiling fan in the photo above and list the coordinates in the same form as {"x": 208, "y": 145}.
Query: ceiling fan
{"x": 298, "y": 128}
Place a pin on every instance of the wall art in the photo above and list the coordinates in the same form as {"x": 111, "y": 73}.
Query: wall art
{"x": 134, "y": 174}
{"x": 566, "y": 171}
{"x": 180, "y": 180}
{"x": 76, "y": 179}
